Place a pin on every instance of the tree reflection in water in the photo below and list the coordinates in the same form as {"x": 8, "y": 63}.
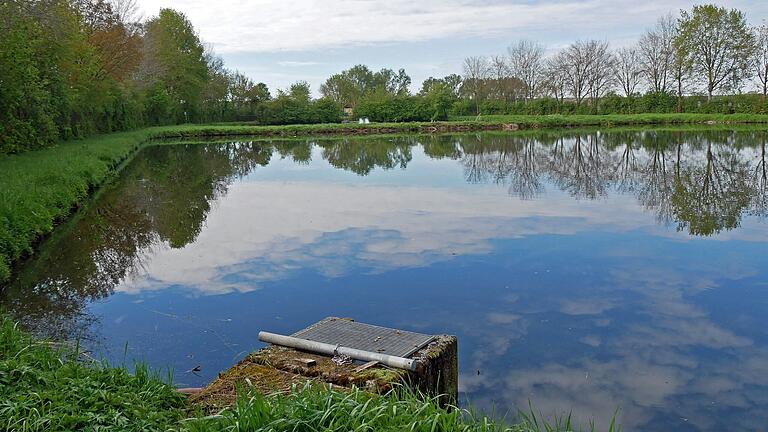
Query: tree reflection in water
{"x": 702, "y": 182}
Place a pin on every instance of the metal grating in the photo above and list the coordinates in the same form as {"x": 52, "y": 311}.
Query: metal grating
{"x": 351, "y": 334}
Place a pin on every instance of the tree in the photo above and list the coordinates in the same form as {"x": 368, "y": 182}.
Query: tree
{"x": 761, "y": 57}
{"x": 627, "y": 72}
{"x": 178, "y": 57}
{"x": 498, "y": 74}
{"x": 526, "y": 59}
{"x": 556, "y": 76}
{"x": 25, "y": 104}
{"x": 656, "y": 53}
{"x": 439, "y": 97}
{"x": 475, "y": 73}
{"x": 388, "y": 82}
{"x": 216, "y": 93}
{"x": 450, "y": 83}
{"x": 681, "y": 73}
{"x": 600, "y": 69}
{"x": 587, "y": 68}
{"x": 349, "y": 86}
{"x": 718, "y": 44}
{"x": 575, "y": 63}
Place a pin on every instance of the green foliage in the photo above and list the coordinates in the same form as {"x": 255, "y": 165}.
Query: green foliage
{"x": 73, "y": 69}
{"x": 649, "y": 103}
{"x": 25, "y": 107}
{"x": 384, "y": 107}
{"x": 39, "y": 188}
{"x": 178, "y": 55}
{"x": 53, "y": 387}
{"x": 350, "y": 86}
{"x": 717, "y": 43}
{"x": 296, "y": 106}
{"x": 327, "y": 111}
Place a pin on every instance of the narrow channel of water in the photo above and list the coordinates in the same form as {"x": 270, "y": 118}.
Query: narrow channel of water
{"x": 580, "y": 271}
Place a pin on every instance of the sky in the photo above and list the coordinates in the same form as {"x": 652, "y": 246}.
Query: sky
{"x": 280, "y": 42}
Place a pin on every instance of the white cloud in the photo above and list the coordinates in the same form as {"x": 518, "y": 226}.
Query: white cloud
{"x": 291, "y": 63}
{"x": 378, "y": 227}
{"x": 272, "y": 26}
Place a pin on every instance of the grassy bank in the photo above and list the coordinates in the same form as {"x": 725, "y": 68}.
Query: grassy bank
{"x": 51, "y": 387}
{"x": 40, "y": 188}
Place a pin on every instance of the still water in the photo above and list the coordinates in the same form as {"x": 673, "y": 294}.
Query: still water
{"x": 580, "y": 271}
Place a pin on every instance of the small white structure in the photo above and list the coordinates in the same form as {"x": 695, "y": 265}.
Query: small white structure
{"x": 363, "y": 120}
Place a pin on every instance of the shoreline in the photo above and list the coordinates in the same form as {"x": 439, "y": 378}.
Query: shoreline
{"x": 41, "y": 189}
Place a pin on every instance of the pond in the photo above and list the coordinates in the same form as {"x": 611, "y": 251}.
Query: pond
{"x": 581, "y": 271}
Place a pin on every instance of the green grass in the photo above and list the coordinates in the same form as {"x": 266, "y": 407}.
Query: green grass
{"x": 39, "y": 189}
{"x": 53, "y": 387}
{"x": 313, "y": 408}
{"x": 50, "y": 387}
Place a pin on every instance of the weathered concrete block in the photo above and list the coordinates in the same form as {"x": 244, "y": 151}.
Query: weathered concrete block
{"x": 275, "y": 369}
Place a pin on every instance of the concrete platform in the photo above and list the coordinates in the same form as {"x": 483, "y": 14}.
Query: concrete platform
{"x": 275, "y": 369}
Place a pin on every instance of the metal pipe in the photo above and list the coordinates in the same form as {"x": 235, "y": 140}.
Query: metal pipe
{"x": 328, "y": 349}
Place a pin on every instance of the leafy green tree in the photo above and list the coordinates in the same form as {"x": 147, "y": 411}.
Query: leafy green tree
{"x": 718, "y": 44}
{"x": 178, "y": 56}
{"x": 25, "y": 108}
{"x": 350, "y": 86}
{"x": 451, "y": 83}
{"x": 327, "y": 111}
{"x": 440, "y": 99}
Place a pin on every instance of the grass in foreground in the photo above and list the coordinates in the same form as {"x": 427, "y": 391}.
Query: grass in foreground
{"x": 50, "y": 387}
{"x": 45, "y": 387}
{"x": 312, "y": 408}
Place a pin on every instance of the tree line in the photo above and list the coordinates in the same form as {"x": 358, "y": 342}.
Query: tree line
{"x": 71, "y": 68}
{"x": 678, "y": 65}
{"x": 707, "y": 51}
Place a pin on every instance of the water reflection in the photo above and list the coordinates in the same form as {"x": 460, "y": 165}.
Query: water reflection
{"x": 580, "y": 270}
{"x": 160, "y": 201}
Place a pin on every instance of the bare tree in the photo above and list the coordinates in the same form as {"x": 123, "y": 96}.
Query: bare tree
{"x": 680, "y": 74}
{"x": 628, "y": 70}
{"x": 657, "y": 53}
{"x": 127, "y": 12}
{"x": 600, "y": 70}
{"x": 761, "y": 57}
{"x": 475, "y": 73}
{"x": 587, "y": 67}
{"x": 526, "y": 60}
{"x": 576, "y": 64}
{"x": 556, "y": 76}
{"x": 499, "y": 73}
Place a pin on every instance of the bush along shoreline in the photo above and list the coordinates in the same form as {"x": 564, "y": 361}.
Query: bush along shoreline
{"x": 41, "y": 188}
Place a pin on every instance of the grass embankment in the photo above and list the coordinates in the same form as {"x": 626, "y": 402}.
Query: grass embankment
{"x": 48, "y": 387}
{"x": 40, "y": 188}
{"x": 51, "y": 387}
